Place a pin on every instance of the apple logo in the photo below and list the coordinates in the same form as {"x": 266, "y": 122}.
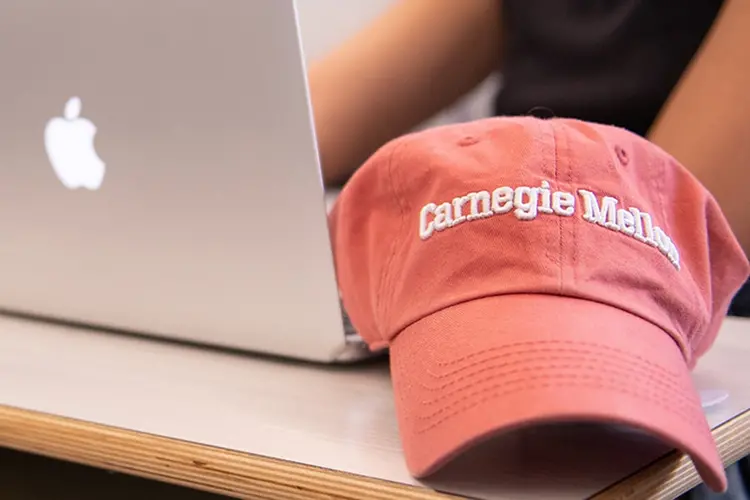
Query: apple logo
{"x": 69, "y": 142}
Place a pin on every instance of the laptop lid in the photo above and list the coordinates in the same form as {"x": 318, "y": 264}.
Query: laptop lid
{"x": 160, "y": 175}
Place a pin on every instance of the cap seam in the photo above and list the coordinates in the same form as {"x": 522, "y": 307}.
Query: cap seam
{"x": 673, "y": 335}
{"x": 555, "y": 159}
{"x": 699, "y": 332}
{"x": 574, "y": 226}
{"x": 385, "y": 276}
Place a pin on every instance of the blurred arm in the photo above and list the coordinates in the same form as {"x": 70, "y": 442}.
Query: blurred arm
{"x": 706, "y": 122}
{"x": 407, "y": 65}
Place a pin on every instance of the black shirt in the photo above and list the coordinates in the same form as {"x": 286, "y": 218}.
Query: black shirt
{"x": 606, "y": 61}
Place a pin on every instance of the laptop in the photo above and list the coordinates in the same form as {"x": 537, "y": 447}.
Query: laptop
{"x": 160, "y": 175}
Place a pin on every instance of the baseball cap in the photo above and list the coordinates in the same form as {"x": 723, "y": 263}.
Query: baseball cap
{"x": 524, "y": 271}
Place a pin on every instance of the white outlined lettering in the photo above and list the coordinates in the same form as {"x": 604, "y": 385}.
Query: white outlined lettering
{"x": 527, "y": 203}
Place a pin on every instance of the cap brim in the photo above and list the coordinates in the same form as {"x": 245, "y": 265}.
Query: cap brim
{"x": 482, "y": 367}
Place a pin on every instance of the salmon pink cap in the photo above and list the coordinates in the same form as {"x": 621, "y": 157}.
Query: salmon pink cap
{"x": 525, "y": 271}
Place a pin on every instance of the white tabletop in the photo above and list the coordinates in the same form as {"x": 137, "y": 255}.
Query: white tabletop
{"x": 335, "y": 418}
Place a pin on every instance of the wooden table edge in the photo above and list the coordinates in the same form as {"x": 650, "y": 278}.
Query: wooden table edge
{"x": 245, "y": 475}
{"x": 193, "y": 465}
{"x": 675, "y": 474}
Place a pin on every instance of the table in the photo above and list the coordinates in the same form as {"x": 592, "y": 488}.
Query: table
{"x": 245, "y": 425}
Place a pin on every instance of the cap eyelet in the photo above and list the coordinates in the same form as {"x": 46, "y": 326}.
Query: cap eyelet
{"x": 622, "y": 155}
{"x": 468, "y": 141}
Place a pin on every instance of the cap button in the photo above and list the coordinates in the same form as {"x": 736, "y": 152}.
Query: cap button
{"x": 542, "y": 112}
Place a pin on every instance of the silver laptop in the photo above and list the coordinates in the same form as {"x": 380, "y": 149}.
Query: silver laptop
{"x": 160, "y": 175}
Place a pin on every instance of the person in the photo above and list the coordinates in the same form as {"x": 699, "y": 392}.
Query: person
{"x": 673, "y": 72}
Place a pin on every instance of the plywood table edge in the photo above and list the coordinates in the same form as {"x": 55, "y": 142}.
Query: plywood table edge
{"x": 675, "y": 474}
{"x": 244, "y": 475}
{"x": 193, "y": 465}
